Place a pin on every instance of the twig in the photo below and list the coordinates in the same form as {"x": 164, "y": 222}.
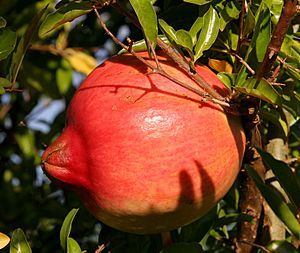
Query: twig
{"x": 288, "y": 12}
{"x": 241, "y": 26}
{"x": 243, "y": 62}
{"x": 157, "y": 69}
{"x": 234, "y": 53}
{"x": 186, "y": 67}
{"x": 119, "y": 42}
{"x": 255, "y": 245}
{"x": 176, "y": 57}
{"x": 11, "y": 90}
{"x": 286, "y": 65}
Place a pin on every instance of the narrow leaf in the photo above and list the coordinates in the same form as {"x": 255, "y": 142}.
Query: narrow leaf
{"x": 209, "y": 32}
{"x": 285, "y": 176}
{"x": 249, "y": 23}
{"x": 195, "y": 29}
{"x": 199, "y": 2}
{"x": 66, "y": 229}
{"x": 147, "y": 18}
{"x": 167, "y": 30}
{"x": 4, "y": 240}
{"x": 19, "y": 242}
{"x": 281, "y": 247}
{"x": 8, "y": 40}
{"x": 63, "y": 15}
{"x": 73, "y": 246}
{"x": 263, "y": 30}
{"x": 261, "y": 89}
{"x": 24, "y": 44}
{"x": 279, "y": 207}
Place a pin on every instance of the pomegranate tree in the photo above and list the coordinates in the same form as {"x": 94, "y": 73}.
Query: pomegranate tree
{"x": 144, "y": 154}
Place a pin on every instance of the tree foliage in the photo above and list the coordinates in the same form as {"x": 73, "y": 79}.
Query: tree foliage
{"x": 48, "y": 47}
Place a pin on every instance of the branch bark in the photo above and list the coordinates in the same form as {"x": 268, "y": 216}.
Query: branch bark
{"x": 251, "y": 201}
{"x": 288, "y": 12}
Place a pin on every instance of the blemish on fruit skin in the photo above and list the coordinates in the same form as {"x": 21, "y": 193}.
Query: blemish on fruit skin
{"x": 114, "y": 108}
{"x": 128, "y": 98}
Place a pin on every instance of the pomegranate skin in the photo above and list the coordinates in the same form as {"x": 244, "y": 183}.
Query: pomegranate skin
{"x": 144, "y": 154}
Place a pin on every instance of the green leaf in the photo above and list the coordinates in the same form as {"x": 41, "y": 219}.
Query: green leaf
{"x": 26, "y": 142}
{"x": 291, "y": 102}
{"x": 181, "y": 37}
{"x": 285, "y": 176}
{"x": 24, "y": 44}
{"x": 64, "y": 77}
{"x": 147, "y": 18}
{"x": 279, "y": 207}
{"x": 63, "y": 15}
{"x": 66, "y": 229}
{"x": 141, "y": 45}
{"x": 261, "y": 89}
{"x": 73, "y": 246}
{"x": 275, "y": 7}
{"x": 263, "y": 33}
{"x": 275, "y": 117}
{"x": 209, "y": 32}
{"x": 227, "y": 79}
{"x": 4, "y": 83}
{"x": 184, "y": 39}
{"x": 229, "y": 12}
{"x": 19, "y": 242}
{"x": 2, "y": 22}
{"x": 291, "y": 48}
{"x": 249, "y": 23}
{"x": 281, "y": 247}
{"x": 199, "y": 2}
{"x": 183, "y": 247}
{"x": 8, "y": 40}
{"x": 167, "y": 30}
{"x": 195, "y": 29}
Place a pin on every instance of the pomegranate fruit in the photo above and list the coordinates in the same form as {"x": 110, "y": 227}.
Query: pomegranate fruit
{"x": 144, "y": 154}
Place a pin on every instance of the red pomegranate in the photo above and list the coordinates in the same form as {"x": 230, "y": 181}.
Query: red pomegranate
{"x": 144, "y": 154}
